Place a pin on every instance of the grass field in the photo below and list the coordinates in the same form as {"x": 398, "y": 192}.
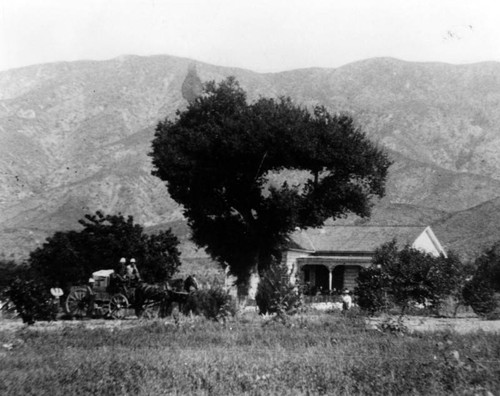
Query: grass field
{"x": 311, "y": 354}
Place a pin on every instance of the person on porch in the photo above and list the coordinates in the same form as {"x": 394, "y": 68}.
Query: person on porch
{"x": 346, "y": 300}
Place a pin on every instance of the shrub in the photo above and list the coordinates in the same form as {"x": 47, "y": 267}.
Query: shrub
{"x": 480, "y": 296}
{"x": 482, "y": 291}
{"x": 393, "y": 326}
{"x": 214, "y": 303}
{"x": 370, "y": 291}
{"x": 275, "y": 294}
{"x": 445, "y": 278}
{"x": 10, "y": 270}
{"x": 408, "y": 276}
{"x": 32, "y": 300}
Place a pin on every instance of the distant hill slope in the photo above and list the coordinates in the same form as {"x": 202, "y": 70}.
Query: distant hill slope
{"x": 470, "y": 232}
{"x": 75, "y": 137}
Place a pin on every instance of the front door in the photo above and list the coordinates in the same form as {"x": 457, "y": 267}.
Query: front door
{"x": 338, "y": 278}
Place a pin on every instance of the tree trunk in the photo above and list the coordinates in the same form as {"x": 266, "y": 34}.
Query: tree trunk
{"x": 253, "y": 282}
{"x": 248, "y": 291}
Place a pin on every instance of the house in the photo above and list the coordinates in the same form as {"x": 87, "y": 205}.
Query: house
{"x": 329, "y": 258}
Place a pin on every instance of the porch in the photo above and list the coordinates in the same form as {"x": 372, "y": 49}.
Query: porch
{"x": 326, "y": 277}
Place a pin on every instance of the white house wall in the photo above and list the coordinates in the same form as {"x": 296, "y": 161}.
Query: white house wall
{"x": 290, "y": 259}
{"x": 425, "y": 243}
{"x": 351, "y": 276}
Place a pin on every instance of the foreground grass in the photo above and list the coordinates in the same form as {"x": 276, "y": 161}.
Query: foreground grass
{"x": 310, "y": 355}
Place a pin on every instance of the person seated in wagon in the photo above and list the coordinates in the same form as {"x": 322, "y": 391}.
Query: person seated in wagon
{"x": 132, "y": 272}
{"x": 118, "y": 279}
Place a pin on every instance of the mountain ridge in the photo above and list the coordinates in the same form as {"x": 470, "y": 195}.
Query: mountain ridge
{"x": 76, "y": 135}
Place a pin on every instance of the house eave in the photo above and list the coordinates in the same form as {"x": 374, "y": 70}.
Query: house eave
{"x": 346, "y": 253}
{"x": 300, "y": 250}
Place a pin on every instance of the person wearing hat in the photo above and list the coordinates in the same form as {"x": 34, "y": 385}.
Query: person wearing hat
{"x": 346, "y": 300}
{"x": 122, "y": 267}
{"x": 132, "y": 272}
{"x": 119, "y": 277}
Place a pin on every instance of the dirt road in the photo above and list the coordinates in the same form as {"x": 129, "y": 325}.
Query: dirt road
{"x": 413, "y": 323}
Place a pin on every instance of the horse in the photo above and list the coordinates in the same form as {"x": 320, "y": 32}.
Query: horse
{"x": 191, "y": 284}
{"x": 147, "y": 295}
{"x": 163, "y": 295}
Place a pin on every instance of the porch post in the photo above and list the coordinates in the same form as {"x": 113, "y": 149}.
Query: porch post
{"x": 330, "y": 279}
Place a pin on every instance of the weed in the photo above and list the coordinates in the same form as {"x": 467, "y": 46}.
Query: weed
{"x": 393, "y": 326}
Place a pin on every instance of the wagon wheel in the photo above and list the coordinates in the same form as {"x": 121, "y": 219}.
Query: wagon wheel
{"x": 117, "y": 306}
{"x": 151, "y": 310}
{"x": 77, "y": 303}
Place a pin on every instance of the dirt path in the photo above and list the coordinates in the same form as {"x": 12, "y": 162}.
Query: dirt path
{"x": 460, "y": 325}
{"x": 413, "y": 323}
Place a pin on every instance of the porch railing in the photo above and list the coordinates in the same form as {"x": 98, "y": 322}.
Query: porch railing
{"x": 322, "y": 298}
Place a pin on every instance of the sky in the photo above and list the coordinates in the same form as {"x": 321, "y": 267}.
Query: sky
{"x": 260, "y": 35}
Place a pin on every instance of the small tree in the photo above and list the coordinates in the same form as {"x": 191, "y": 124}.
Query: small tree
{"x": 275, "y": 293}
{"x": 371, "y": 290}
{"x": 10, "y": 270}
{"x": 446, "y": 278}
{"x": 32, "y": 300}
{"x": 480, "y": 292}
{"x": 406, "y": 276}
{"x": 69, "y": 258}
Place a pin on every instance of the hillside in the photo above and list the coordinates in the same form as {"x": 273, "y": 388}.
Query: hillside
{"x": 75, "y": 137}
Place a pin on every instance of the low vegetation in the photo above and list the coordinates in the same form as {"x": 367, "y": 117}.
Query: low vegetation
{"x": 32, "y": 300}
{"x": 213, "y": 303}
{"x": 407, "y": 276}
{"x": 314, "y": 354}
{"x": 275, "y": 293}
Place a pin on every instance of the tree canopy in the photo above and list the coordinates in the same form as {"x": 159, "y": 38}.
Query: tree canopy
{"x": 408, "y": 275}
{"x": 68, "y": 258}
{"x": 217, "y": 157}
{"x": 481, "y": 291}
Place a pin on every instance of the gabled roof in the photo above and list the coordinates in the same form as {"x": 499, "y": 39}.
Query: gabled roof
{"x": 353, "y": 238}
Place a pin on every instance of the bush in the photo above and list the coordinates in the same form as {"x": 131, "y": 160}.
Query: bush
{"x": 483, "y": 290}
{"x": 214, "y": 303}
{"x": 408, "y": 276}
{"x": 370, "y": 291}
{"x": 275, "y": 294}
{"x": 32, "y": 301}
{"x": 10, "y": 270}
{"x": 480, "y": 296}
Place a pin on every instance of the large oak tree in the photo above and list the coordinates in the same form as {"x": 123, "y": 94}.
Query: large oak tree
{"x": 218, "y": 157}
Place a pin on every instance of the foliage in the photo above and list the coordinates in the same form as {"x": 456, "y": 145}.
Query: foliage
{"x": 480, "y": 291}
{"x": 445, "y": 277}
{"x": 408, "y": 276}
{"x": 393, "y": 326}
{"x": 275, "y": 294}
{"x": 9, "y": 271}
{"x": 202, "y": 357}
{"x": 488, "y": 268}
{"x": 213, "y": 303}
{"x": 217, "y": 158}
{"x": 371, "y": 290}
{"x": 32, "y": 300}
{"x": 480, "y": 296}
{"x": 69, "y": 258}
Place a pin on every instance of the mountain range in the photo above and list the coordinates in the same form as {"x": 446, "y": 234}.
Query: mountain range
{"x": 75, "y": 137}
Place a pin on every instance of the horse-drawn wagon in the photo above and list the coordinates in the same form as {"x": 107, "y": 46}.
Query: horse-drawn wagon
{"x": 106, "y": 295}
{"x": 109, "y": 295}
